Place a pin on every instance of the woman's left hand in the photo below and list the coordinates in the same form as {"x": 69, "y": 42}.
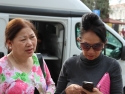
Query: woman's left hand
{"x": 95, "y": 91}
{"x": 74, "y": 89}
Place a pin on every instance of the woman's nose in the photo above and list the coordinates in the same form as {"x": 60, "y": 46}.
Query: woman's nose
{"x": 91, "y": 50}
{"x": 29, "y": 42}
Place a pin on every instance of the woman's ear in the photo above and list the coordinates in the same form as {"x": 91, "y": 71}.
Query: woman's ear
{"x": 9, "y": 44}
{"x": 79, "y": 39}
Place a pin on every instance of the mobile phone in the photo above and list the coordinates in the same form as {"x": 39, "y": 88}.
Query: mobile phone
{"x": 88, "y": 85}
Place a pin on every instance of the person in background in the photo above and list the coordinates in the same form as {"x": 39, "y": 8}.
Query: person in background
{"x": 20, "y": 70}
{"x": 91, "y": 64}
{"x": 123, "y": 33}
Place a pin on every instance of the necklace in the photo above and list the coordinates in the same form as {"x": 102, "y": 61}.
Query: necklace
{"x": 14, "y": 58}
{"x": 17, "y": 64}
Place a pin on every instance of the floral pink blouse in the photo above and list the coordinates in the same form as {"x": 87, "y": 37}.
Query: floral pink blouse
{"x": 13, "y": 81}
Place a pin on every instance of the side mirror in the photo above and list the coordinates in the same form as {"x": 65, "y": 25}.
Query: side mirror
{"x": 123, "y": 53}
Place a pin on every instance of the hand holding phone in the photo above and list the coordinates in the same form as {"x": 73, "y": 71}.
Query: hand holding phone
{"x": 88, "y": 85}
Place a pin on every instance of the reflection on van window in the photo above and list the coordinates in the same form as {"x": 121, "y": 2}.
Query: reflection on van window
{"x": 112, "y": 48}
{"x": 77, "y": 34}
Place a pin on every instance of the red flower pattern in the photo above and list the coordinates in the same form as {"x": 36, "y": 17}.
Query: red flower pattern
{"x": 17, "y": 87}
{"x": 0, "y": 69}
{"x": 39, "y": 71}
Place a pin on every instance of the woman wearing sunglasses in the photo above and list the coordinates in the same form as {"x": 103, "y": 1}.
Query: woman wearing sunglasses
{"x": 91, "y": 64}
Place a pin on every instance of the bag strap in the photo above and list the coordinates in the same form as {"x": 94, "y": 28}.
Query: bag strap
{"x": 40, "y": 58}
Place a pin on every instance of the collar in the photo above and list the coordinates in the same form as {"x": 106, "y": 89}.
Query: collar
{"x": 87, "y": 62}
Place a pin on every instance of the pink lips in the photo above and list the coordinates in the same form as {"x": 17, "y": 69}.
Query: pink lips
{"x": 29, "y": 50}
{"x": 90, "y": 57}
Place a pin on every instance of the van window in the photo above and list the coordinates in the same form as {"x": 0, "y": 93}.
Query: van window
{"x": 112, "y": 48}
{"x": 77, "y": 34}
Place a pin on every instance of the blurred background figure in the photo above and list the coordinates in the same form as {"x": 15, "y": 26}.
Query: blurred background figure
{"x": 122, "y": 33}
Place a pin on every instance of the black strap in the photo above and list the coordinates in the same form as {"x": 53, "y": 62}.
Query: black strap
{"x": 39, "y": 56}
{"x": 36, "y": 91}
{"x": 1, "y": 54}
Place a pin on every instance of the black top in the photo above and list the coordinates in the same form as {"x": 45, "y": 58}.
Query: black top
{"x": 77, "y": 69}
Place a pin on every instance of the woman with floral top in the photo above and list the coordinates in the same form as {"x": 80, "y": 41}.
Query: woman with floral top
{"x": 20, "y": 70}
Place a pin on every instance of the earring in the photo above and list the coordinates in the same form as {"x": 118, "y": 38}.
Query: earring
{"x": 10, "y": 47}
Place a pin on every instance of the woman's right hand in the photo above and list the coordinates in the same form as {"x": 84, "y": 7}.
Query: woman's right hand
{"x": 74, "y": 89}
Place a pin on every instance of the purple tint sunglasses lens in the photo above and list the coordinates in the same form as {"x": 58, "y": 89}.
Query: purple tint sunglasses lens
{"x": 96, "y": 47}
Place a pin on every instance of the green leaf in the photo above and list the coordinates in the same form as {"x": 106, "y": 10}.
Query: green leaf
{"x": 16, "y": 75}
{"x": 35, "y": 59}
{"x": 24, "y": 77}
{"x": 2, "y": 77}
{"x": 37, "y": 77}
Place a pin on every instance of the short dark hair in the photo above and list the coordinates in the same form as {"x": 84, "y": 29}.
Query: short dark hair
{"x": 14, "y": 26}
{"x": 92, "y": 22}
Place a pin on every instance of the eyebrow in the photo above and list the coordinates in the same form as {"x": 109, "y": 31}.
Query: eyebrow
{"x": 92, "y": 44}
{"x": 26, "y": 36}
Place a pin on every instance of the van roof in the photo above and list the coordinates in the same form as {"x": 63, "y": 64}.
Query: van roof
{"x": 59, "y": 8}
{"x": 72, "y": 5}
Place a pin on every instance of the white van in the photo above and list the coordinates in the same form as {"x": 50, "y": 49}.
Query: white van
{"x": 57, "y": 22}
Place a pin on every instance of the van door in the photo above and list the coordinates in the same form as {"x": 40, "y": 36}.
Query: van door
{"x": 114, "y": 48}
{"x": 4, "y": 18}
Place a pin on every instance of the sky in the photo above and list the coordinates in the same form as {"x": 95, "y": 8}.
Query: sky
{"x": 113, "y": 2}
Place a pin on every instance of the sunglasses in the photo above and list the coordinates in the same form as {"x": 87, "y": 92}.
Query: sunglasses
{"x": 86, "y": 46}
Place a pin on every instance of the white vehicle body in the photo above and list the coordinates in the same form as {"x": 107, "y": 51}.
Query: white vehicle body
{"x": 64, "y": 14}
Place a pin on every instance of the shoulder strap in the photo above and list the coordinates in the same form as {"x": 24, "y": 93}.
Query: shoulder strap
{"x": 40, "y": 58}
